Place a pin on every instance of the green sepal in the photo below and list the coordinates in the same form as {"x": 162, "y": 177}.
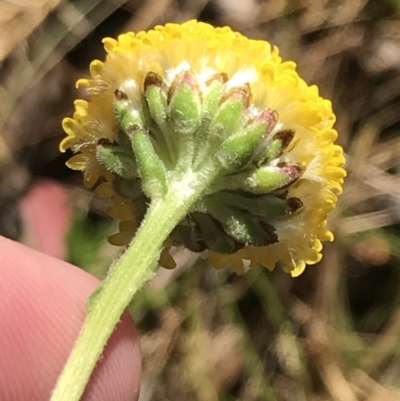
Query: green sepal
{"x": 127, "y": 188}
{"x": 238, "y": 150}
{"x": 156, "y": 100}
{"x": 124, "y": 142}
{"x": 267, "y": 179}
{"x": 267, "y": 207}
{"x": 184, "y": 106}
{"x": 229, "y": 117}
{"x": 151, "y": 168}
{"x": 274, "y": 147}
{"x": 200, "y": 231}
{"x": 187, "y": 233}
{"x": 117, "y": 161}
{"x": 209, "y": 107}
{"x": 155, "y": 111}
{"x": 212, "y": 98}
{"x": 215, "y": 238}
{"x": 141, "y": 206}
{"x": 262, "y": 180}
{"x": 240, "y": 225}
{"x": 128, "y": 117}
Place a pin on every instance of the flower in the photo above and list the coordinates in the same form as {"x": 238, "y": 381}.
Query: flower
{"x": 270, "y": 134}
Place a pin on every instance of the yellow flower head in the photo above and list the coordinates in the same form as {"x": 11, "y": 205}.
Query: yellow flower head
{"x": 207, "y": 97}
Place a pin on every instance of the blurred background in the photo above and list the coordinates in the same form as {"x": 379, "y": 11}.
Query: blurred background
{"x": 331, "y": 334}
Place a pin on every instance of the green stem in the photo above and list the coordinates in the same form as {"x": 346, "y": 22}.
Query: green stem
{"x": 129, "y": 274}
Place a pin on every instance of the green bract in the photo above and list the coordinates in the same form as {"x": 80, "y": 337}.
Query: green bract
{"x": 181, "y": 131}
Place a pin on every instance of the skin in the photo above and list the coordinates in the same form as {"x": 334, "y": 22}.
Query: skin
{"x": 42, "y": 308}
{"x": 46, "y": 214}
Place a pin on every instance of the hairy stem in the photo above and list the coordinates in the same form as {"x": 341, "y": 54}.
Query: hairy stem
{"x": 126, "y": 277}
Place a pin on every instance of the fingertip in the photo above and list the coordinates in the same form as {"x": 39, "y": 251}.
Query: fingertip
{"x": 42, "y": 309}
{"x": 46, "y": 214}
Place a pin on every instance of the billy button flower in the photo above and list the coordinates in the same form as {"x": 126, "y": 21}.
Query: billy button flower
{"x": 202, "y": 138}
{"x": 184, "y": 107}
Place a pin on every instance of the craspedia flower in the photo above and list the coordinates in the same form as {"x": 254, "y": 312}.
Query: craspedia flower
{"x": 221, "y": 120}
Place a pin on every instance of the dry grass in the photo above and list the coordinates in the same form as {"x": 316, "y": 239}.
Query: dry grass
{"x": 331, "y": 335}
